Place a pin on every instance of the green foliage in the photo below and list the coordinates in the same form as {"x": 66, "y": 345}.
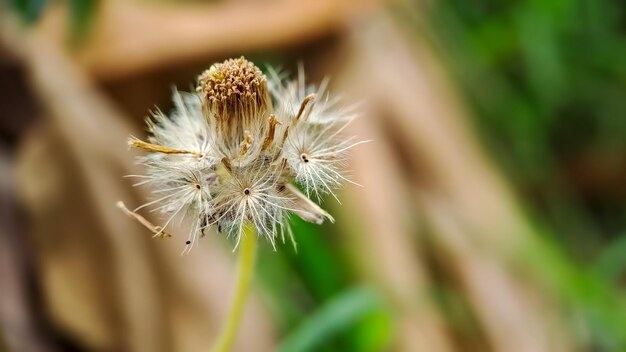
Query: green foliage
{"x": 595, "y": 299}
{"x": 545, "y": 80}
{"x": 317, "y": 259}
{"x": 551, "y": 98}
{"x": 29, "y": 11}
{"x": 82, "y": 13}
{"x": 335, "y": 317}
{"x": 611, "y": 263}
{"x": 311, "y": 287}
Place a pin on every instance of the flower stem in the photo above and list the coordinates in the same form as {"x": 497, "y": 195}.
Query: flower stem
{"x": 244, "y": 277}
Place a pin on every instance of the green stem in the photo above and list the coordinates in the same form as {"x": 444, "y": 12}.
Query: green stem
{"x": 244, "y": 277}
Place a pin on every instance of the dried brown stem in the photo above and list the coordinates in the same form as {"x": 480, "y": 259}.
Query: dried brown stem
{"x": 137, "y": 143}
{"x": 270, "y": 134}
{"x": 309, "y": 98}
{"x": 156, "y": 230}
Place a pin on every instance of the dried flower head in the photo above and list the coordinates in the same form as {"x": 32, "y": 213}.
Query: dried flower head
{"x": 227, "y": 156}
{"x": 236, "y": 96}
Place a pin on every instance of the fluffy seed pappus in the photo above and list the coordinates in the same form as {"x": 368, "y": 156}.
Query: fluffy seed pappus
{"x": 230, "y": 152}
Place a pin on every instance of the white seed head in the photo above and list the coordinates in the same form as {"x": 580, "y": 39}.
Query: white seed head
{"x": 225, "y": 157}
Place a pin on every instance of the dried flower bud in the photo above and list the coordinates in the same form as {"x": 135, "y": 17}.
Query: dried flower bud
{"x": 235, "y": 92}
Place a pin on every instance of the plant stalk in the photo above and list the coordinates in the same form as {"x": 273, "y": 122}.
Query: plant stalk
{"x": 244, "y": 277}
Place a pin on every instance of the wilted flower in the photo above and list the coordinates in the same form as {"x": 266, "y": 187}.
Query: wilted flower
{"x": 228, "y": 154}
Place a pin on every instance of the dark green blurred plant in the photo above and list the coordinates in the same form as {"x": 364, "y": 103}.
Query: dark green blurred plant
{"x": 311, "y": 290}
{"x": 29, "y": 11}
{"x": 82, "y": 13}
{"x": 336, "y": 316}
{"x": 546, "y": 82}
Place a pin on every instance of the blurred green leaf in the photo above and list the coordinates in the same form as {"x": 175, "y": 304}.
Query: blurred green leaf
{"x": 82, "y": 13}
{"x": 603, "y": 308}
{"x": 612, "y": 261}
{"x": 545, "y": 79}
{"x": 540, "y": 48}
{"x": 334, "y": 317}
{"x": 317, "y": 260}
{"x": 28, "y": 10}
{"x": 286, "y": 296}
{"x": 372, "y": 333}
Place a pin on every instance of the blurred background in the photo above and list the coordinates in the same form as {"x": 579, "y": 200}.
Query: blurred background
{"x": 491, "y": 216}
